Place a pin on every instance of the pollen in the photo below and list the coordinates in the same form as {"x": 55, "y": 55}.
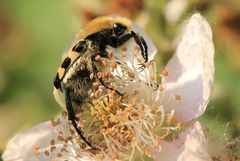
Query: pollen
{"x": 60, "y": 137}
{"x": 37, "y": 153}
{"x": 136, "y": 49}
{"x": 157, "y": 142}
{"x": 154, "y": 108}
{"x": 105, "y": 62}
{"x": 101, "y": 157}
{"x": 152, "y": 77}
{"x": 64, "y": 150}
{"x": 52, "y": 142}
{"x": 46, "y": 153}
{"x": 64, "y": 114}
{"x": 164, "y": 72}
{"x": 180, "y": 125}
{"x": 122, "y": 70}
{"x": 54, "y": 122}
{"x": 123, "y": 53}
{"x": 161, "y": 88}
{"x": 53, "y": 148}
{"x": 148, "y": 64}
{"x": 110, "y": 54}
{"x": 147, "y": 152}
{"x": 177, "y": 97}
{"x": 59, "y": 155}
{"x": 131, "y": 75}
{"x": 98, "y": 58}
{"x": 139, "y": 59}
{"x": 169, "y": 119}
{"x": 114, "y": 65}
{"x": 124, "y": 49}
{"x": 36, "y": 148}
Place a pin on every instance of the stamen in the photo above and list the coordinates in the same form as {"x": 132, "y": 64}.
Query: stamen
{"x": 110, "y": 54}
{"x": 136, "y": 49}
{"x": 46, "y": 153}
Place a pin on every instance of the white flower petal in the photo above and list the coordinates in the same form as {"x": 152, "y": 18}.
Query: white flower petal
{"x": 190, "y": 71}
{"x": 190, "y": 146}
{"x": 21, "y": 147}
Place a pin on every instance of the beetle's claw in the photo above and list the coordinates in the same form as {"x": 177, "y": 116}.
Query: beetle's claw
{"x": 141, "y": 67}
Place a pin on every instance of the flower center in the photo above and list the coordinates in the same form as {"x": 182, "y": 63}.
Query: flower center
{"x": 121, "y": 118}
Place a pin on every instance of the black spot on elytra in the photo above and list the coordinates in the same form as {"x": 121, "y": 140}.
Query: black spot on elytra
{"x": 66, "y": 63}
{"x": 57, "y": 82}
{"x": 80, "y": 47}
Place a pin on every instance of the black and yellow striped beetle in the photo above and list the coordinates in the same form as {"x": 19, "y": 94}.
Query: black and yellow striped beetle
{"x": 72, "y": 82}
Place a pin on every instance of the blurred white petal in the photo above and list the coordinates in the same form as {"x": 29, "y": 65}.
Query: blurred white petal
{"x": 174, "y": 10}
{"x": 190, "y": 71}
{"x": 191, "y": 145}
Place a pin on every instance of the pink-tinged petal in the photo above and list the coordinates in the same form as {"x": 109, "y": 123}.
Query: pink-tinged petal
{"x": 191, "y": 145}
{"x": 21, "y": 146}
{"x": 34, "y": 143}
{"x": 190, "y": 72}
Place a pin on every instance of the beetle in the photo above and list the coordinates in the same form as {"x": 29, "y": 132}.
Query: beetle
{"x": 72, "y": 82}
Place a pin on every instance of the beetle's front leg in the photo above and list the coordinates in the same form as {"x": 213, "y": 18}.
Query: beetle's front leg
{"x": 95, "y": 71}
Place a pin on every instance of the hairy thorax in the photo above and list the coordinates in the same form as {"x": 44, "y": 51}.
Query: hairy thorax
{"x": 81, "y": 75}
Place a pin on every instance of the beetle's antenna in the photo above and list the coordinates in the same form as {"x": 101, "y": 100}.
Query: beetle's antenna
{"x": 72, "y": 118}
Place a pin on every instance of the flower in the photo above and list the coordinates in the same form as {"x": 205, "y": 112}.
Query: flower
{"x": 150, "y": 119}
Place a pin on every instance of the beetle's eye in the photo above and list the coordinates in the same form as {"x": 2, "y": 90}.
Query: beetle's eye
{"x": 119, "y": 29}
{"x": 80, "y": 47}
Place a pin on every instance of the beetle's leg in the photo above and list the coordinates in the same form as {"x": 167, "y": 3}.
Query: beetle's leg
{"x": 143, "y": 46}
{"x": 102, "y": 82}
{"x": 143, "y": 42}
{"x": 115, "y": 42}
{"x": 72, "y": 118}
{"x": 139, "y": 40}
{"x": 156, "y": 88}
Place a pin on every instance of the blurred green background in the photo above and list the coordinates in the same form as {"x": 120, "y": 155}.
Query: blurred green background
{"x": 34, "y": 34}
